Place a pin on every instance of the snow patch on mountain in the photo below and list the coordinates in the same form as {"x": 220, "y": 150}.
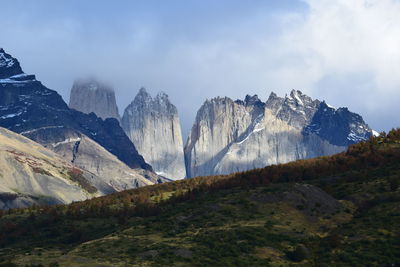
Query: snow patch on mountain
{"x": 12, "y": 115}
{"x": 7, "y": 62}
{"x": 66, "y": 141}
{"x": 375, "y": 133}
{"x": 230, "y": 136}
{"x": 355, "y": 137}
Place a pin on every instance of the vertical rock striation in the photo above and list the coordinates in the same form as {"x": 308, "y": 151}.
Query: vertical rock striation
{"x": 99, "y": 146}
{"x": 92, "y": 96}
{"x": 153, "y": 126}
{"x": 230, "y": 136}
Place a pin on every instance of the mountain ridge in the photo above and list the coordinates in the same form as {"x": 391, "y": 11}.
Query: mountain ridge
{"x": 339, "y": 210}
{"x": 46, "y": 108}
{"x": 230, "y": 136}
{"x": 29, "y": 108}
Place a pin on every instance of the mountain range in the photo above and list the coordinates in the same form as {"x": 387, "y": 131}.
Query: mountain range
{"x": 235, "y": 135}
{"x": 340, "y": 210}
{"x": 145, "y": 146}
{"x": 230, "y": 136}
{"x": 98, "y": 146}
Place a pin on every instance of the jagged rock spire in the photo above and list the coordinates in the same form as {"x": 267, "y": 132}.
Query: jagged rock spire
{"x": 42, "y": 115}
{"x": 9, "y": 66}
{"x": 153, "y": 126}
{"x": 90, "y": 95}
{"x": 230, "y": 136}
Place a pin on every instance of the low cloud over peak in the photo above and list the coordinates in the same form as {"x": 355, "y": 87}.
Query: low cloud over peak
{"x": 345, "y": 52}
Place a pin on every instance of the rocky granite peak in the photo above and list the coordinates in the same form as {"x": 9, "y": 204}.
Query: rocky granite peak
{"x": 9, "y": 66}
{"x": 272, "y": 95}
{"x": 230, "y": 136}
{"x": 153, "y": 126}
{"x": 251, "y": 101}
{"x": 29, "y": 108}
{"x": 296, "y": 108}
{"x": 162, "y": 99}
{"x": 90, "y": 95}
{"x": 219, "y": 123}
{"x": 144, "y": 102}
{"x": 339, "y": 126}
{"x": 143, "y": 96}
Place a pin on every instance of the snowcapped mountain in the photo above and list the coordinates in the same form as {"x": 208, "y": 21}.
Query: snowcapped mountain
{"x": 9, "y": 66}
{"x": 227, "y": 136}
{"x": 29, "y": 108}
{"x": 153, "y": 126}
{"x": 230, "y": 136}
{"x": 90, "y": 95}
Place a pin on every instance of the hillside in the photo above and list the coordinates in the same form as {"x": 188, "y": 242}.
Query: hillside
{"x": 29, "y": 108}
{"x": 31, "y": 174}
{"x": 342, "y": 210}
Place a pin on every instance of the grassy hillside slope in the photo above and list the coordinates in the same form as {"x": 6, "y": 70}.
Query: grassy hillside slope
{"x": 342, "y": 210}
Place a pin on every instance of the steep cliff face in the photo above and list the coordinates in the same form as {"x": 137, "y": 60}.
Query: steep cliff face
{"x": 297, "y": 109}
{"x": 9, "y": 66}
{"x": 89, "y": 95}
{"x": 153, "y": 126}
{"x": 29, "y": 108}
{"x": 338, "y": 126}
{"x": 230, "y": 136}
{"x": 219, "y": 123}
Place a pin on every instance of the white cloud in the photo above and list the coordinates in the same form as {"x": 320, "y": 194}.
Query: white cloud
{"x": 353, "y": 36}
{"x": 348, "y": 51}
{"x": 344, "y": 51}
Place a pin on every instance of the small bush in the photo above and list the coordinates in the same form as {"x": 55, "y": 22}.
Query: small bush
{"x": 299, "y": 254}
{"x": 394, "y": 183}
{"x": 8, "y": 264}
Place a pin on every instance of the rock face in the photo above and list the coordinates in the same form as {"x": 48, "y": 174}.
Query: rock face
{"x": 31, "y": 174}
{"x": 84, "y": 153}
{"x": 230, "y": 136}
{"x": 9, "y": 66}
{"x": 153, "y": 126}
{"x": 92, "y": 96}
{"x": 29, "y": 108}
{"x": 227, "y": 136}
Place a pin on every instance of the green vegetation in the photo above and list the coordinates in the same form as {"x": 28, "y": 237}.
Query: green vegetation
{"x": 41, "y": 171}
{"x": 275, "y": 216}
{"x": 75, "y": 175}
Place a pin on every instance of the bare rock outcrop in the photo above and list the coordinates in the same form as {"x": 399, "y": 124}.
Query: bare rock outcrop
{"x": 153, "y": 126}
{"x": 29, "y": 108}
{"x": 90, "y": 95}
{"x": 230, "y": 136}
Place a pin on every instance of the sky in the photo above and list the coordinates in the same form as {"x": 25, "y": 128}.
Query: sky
{"x": 346, "y": 52}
